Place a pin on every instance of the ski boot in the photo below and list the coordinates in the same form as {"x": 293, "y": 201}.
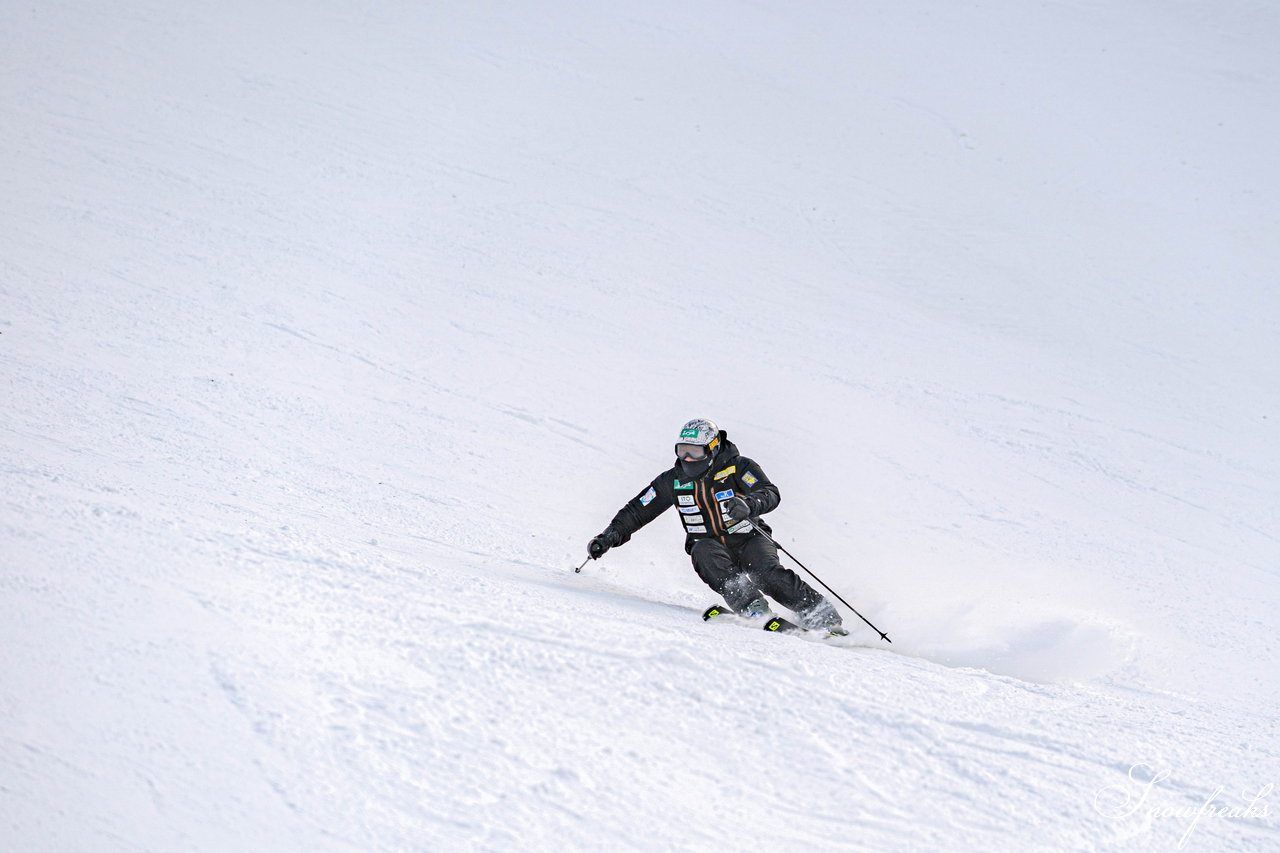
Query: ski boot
{"x": 755, "y": 608}
{"x": 823, "y": 617}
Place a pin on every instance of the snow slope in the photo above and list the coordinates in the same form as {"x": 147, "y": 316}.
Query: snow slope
{"x": 331, "y": 332}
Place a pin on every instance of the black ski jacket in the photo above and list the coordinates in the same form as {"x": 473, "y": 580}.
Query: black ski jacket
{"x": 701, "y": 500}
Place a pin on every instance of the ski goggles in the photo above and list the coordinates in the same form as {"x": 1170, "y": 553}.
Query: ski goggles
{"x": 692, "y": 452}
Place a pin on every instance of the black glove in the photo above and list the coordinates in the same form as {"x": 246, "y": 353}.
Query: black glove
{"x": 739, "y": 508}
{"x": 602, "y": 543}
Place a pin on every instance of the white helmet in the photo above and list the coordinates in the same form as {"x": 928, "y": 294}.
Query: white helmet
{"x": 699, "y": 439}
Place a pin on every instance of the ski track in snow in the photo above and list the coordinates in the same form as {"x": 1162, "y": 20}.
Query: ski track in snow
{"x": 331, "y": 335}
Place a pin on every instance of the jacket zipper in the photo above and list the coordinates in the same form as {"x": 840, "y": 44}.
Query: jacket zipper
{"x": 713, "y": 513}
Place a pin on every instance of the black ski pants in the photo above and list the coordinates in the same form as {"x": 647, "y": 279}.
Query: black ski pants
{"x": 747, "y": 567}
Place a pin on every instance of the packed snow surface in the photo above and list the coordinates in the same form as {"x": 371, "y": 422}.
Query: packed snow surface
{"x": 331, "y": 332}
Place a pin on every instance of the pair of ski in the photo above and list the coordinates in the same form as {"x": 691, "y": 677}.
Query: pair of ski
{"x": 774, "y": 624}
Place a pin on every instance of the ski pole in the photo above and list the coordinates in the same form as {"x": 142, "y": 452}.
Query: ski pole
{"x": 882, "y": 634}
{"x": 584, "y": 562}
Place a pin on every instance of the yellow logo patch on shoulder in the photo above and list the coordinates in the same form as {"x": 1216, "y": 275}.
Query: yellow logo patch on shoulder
{"x": 725, "y": 473}
{"x": 749, "y": 478}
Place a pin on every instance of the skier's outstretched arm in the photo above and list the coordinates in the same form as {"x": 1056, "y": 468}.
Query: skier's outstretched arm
{"x": 637, "y": 512}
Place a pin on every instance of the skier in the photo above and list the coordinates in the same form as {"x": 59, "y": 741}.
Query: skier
{"x": 720, "y": 495}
